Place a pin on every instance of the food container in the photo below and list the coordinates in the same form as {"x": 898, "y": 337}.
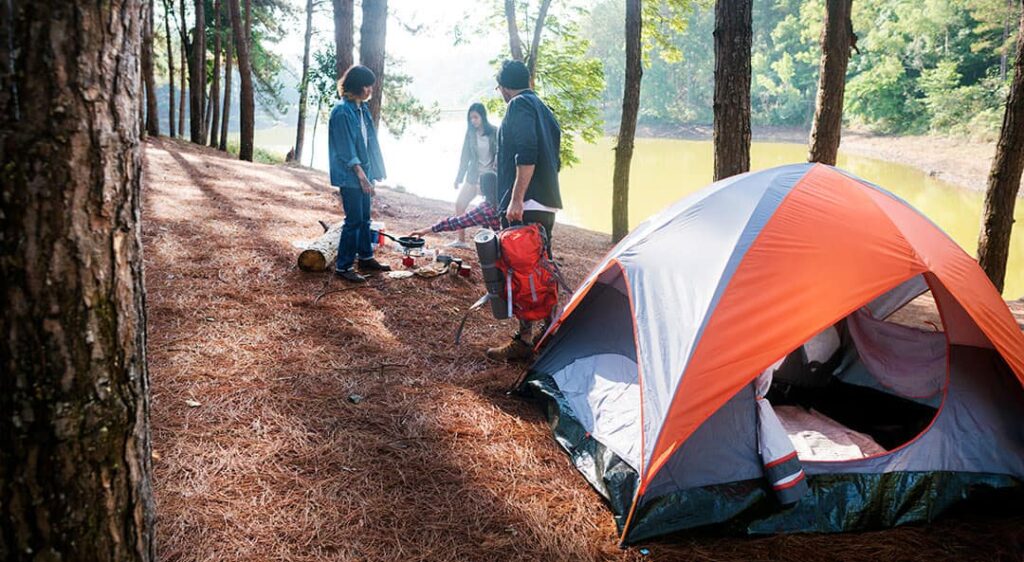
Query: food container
{"x": 377, "y": 233}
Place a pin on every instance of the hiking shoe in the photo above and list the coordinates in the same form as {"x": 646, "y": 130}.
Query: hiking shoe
{"x": 373, "y": 265}
{"x": 458, "y": 245}
{"x": 350, "y": 275}
{"x": 515, "y": 350}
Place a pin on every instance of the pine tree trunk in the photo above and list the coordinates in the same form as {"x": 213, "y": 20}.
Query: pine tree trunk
{"x": 215, "y": 81}
{"x": 344, "y": 28}
{"x": 247, "y": 105}
{"x": 225, "y": 113}
{"x": 316, "y": 121}
{"x": 538, "y": 28}
{"x": 733, "y": 31}
{"x": 184, "y": 71}
{"x": 515, "y": 42}
{"x": 75, "y": 454}
{"x": 300, "y": 129}
{"x": 1004, "y": 178}
{"x": 627, "y": 127}
{"x": 170, "y": 69}
{"x": 197, "y": 77}
{"x": 836, "y": 41}
{"x": 372, "y": 34}
{"x": 152, "y": 117}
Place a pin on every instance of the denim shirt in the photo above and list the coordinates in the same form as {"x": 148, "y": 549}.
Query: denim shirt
{"x": 346, "y": 148}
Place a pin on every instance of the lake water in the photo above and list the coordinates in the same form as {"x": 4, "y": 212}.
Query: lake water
{"x": 424, "y": 162}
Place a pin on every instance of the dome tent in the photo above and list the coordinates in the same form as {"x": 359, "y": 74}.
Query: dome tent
{"x": 681, "y": 375}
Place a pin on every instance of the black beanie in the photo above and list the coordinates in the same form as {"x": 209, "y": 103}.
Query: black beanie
{"x": 514, "y": 75}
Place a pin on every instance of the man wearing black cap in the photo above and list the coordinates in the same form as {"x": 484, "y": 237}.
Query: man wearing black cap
{"x": 528, "y": 163}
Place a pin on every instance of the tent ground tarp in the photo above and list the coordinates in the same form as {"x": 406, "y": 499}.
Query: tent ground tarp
{"x": 837, "y": 502}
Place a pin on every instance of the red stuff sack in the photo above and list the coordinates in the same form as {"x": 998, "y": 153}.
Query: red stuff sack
{"x": 531, "y": 282}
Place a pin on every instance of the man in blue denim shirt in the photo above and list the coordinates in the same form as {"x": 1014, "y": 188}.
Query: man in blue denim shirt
{"x": 356, "y": 164}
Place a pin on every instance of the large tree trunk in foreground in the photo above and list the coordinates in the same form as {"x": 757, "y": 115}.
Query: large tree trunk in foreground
{"x": 515, "y": 43}
{"x": 197, "y": 77}
{"x": 372, "y": 35}
{"x": 627, "y": 127}
{"x": 836, "y": 41}
{"x": 321, "y": 253}
{"x": 75, "y": 453}
{"x": 170, "y": 69}
{"x": 215, "y": 81}
{"x": 1005, "y": 177}
{"x": 344, "y": 43}
{"x": 152, "y": 117}
{"x": 229, "y": 54}
{"x": 247, "y": 113}
{"x": 732, "y": 87}
{"x": 300, "y": 128}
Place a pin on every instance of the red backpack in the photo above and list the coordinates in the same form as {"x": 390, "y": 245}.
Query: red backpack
{"x": 531, "y": 280}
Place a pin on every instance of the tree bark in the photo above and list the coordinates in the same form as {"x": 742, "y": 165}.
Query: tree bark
{"x": 1004, "y": 178}
{"x": 226, "y": 111}
{"x": 247, "y": 105}
{"x": 321, "y": 252}
{"x": 300, "y": 129}
{"x": 344, "y": 43}
{"x": 184, "y": 70}
{"x": 215, "y": 80}
{"x": 75, "y": 450}
{"x": 627, "y": 127}
{"x": 515, "y": 43}
{"x": 538, "y": 28}
{"x": 372, "y": 34}
{"x": 197, "y": 77}
{"x": 733, "y": 31}
{"x": 836, "y": 42}
{"x": 152, "y": 117}
{"x": 170, "y": 69}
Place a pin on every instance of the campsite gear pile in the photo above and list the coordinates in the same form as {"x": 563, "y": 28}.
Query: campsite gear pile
{"x": 671, "y": 379}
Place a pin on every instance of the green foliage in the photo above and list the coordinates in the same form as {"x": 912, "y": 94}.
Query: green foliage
{"x": 400, "y": 107}
{"x": 570, "y": 79}
{"x": 922, "y": 65}
{"x": 261, "y": 155}
{"x": 882, "y": 97}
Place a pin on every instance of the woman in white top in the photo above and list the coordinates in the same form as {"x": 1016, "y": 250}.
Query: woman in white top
{"x": 479, "y": 148}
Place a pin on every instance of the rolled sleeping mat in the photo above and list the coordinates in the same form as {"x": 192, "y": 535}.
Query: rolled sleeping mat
{"x": 488, "y": 251}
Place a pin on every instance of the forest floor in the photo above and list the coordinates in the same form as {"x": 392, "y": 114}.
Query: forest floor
{"x": 957, "y": 160}
{"x": 291, "y": 422}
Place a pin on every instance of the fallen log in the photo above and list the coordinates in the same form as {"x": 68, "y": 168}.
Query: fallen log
{"x": 321, "y": 252}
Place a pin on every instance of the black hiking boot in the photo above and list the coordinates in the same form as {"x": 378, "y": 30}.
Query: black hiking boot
{"x": 350, "y": 275}
{"x": 373, "y": 265}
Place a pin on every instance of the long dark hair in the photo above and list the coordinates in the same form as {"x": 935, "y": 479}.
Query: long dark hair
{"x": 479, "y": 109}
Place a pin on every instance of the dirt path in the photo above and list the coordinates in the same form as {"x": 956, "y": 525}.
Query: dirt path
{"x": 262, "y": 453}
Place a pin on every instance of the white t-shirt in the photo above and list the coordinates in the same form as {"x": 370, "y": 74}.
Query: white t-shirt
{"x": 533, "y": 205}
{"x": 483, "y": 153}
{"x": 362, "y": 128}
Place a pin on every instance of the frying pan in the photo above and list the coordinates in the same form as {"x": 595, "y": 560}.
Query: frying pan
{"x": 409, "y": 242}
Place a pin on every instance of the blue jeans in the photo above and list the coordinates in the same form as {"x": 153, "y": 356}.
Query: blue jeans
{"x": 355, "y": 232}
